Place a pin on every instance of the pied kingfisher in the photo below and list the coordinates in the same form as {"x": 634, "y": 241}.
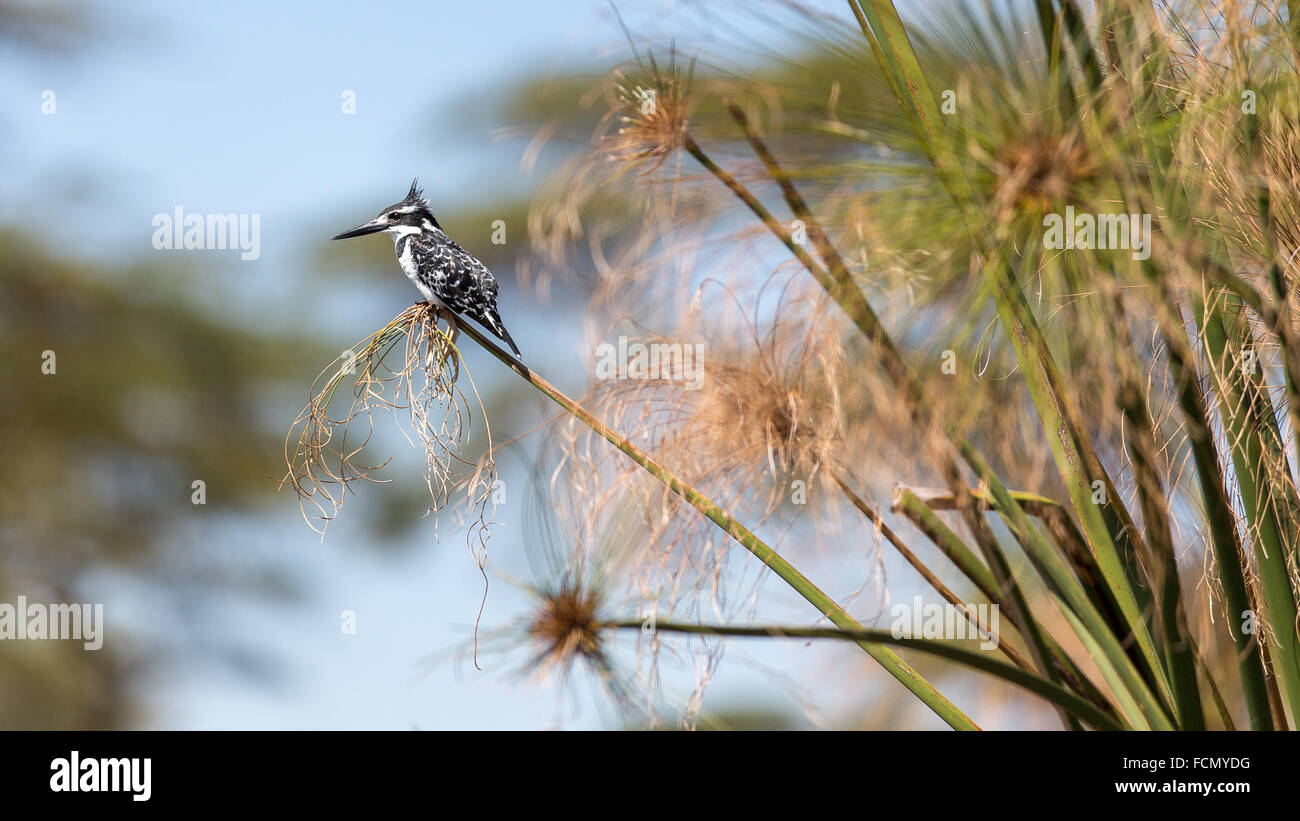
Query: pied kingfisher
{"x": 445, "y": 273}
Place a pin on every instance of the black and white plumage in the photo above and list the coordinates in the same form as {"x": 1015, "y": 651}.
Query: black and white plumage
{"x": 441, "y": 270}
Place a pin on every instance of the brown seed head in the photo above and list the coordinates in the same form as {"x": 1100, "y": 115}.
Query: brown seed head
{"x": 1040, "y": 172}
{"x": 649, "y": 119}
{"x": 567, "y": 627}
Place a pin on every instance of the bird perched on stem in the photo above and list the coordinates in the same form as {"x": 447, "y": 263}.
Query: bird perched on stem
{"x": 444, "y": 273}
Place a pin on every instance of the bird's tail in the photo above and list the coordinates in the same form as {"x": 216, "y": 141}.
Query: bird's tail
{"x": 493, "y": 322}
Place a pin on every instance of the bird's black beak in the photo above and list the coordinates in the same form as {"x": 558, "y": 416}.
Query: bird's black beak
{"x": 371, "y": 227}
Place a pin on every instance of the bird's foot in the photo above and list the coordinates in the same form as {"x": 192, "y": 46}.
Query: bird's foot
{"x": 441, "y": 347}
{"x": 441, "y": 312}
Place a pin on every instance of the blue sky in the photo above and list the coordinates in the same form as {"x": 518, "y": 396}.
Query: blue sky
{"x": 236, "y": 107}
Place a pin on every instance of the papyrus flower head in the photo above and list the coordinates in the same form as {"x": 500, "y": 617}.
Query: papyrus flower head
{"x": 649, "y": 113}
{"x": 566, "y": 627}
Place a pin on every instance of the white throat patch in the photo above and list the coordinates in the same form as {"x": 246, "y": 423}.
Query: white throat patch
{"x": 399, "y": 231}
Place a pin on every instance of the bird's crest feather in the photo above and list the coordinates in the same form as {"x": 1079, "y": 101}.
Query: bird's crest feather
{"x": 415, "y": 196}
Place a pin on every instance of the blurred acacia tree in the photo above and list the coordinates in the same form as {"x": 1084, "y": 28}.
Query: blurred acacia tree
{"x": 114, "y": 404}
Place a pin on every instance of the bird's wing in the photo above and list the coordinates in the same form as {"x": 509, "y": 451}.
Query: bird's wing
{"x": 451, "y": 272}
{"x": 461, "y": 281}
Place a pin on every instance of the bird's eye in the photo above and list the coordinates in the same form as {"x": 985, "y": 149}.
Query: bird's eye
{"x": 392, "y": 217}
